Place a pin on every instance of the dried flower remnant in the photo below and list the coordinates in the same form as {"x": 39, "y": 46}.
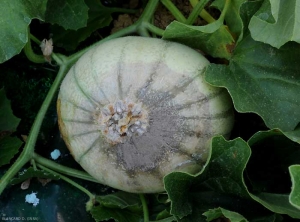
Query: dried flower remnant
{"x": 47, "y": 49}
{"x": 25, "y": 185}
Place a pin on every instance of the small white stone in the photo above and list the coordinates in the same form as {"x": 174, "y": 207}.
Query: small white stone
{"x": 31, "y": 198}
{"x": 55, "y": 154}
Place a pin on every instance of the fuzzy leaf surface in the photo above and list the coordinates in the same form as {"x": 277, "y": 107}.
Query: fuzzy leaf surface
{"x": 16, "y": 15}
{"x": 98, "y": 17}
{"x": 262, "y": 80}
{"x": 70, "y": 14}
{"x": 219, "y": 184}
{"x": 276, "y": 22}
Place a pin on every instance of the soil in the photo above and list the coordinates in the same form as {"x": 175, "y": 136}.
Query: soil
{"x": 162, "y": 17}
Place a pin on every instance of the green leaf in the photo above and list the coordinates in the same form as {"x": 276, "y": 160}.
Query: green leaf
{"x": 272, "y": 154}
{"x": 30, "y": 173}
{"x": 294, "y": 197}
{"x": 278, "y": 203}
{"x": 267, "y": 170}
{"x": 213, "y": 39}
{"x": 70, "y": 14}
{"x": 16, "y": 15}
{"x": 276, "y": 22}
{"x": 221, "y": 181}
{"x": 262, "y": 80}
{"x": 120, "y": 206}
{"x": 119, "y": 200}
{"x": 101, "y": 213}
{"x": 8, "y": 122}
{"x": 9, "y": 147}
{"x": 221, "y": 212}
{"x": 98, "y": 17}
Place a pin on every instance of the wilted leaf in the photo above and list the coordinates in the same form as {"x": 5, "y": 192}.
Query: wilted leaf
{"x": 276, "y": 22}
{"x": 16, "y": 15}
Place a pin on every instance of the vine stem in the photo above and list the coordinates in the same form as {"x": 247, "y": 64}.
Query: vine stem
{"x": 62, "y": 169}
{"x": 145, "y": 207}
{"x": 198, "y": 8}
{"x": 91, "y": 196}
{"x": 174, "y": 11}
{"x": 30, "y": 54}
{"x": 28, "y": 149}
{"x": 203, "y": 14}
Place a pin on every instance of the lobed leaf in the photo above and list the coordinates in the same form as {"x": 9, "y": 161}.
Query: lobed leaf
{"x": 276, "y": 22}
{"x": 219, "y": 184}
{"x": 262, "y": 80}
{"x": 16, "y": 15}
{"x": 98, "y": 17}
{"x": 70, "y": 14}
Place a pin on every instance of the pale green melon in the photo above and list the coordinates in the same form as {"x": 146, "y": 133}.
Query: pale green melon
{"x": 134, "y": 109}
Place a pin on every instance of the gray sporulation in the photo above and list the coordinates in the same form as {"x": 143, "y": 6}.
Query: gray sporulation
{"x": 167, "y": 129}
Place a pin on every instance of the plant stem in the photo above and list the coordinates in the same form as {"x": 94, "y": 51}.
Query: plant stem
{"x": 154, "y": 29}
{"x": 174, "y": 11}
{"x": 28, "y": 149}
{"x": 203, "y": 14}
{"x": 31, "y": 55}
{"x": 91, "y": 196}
{"x": 196, "y": 11}
{"x": 33, "y": 164}
{"x": 145, "y": 207}
{"x": 206, "y": 16}
{"x": 62, "y": 169}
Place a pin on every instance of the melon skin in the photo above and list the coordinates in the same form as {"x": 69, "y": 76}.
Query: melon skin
{"x": 167, "y": 79}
